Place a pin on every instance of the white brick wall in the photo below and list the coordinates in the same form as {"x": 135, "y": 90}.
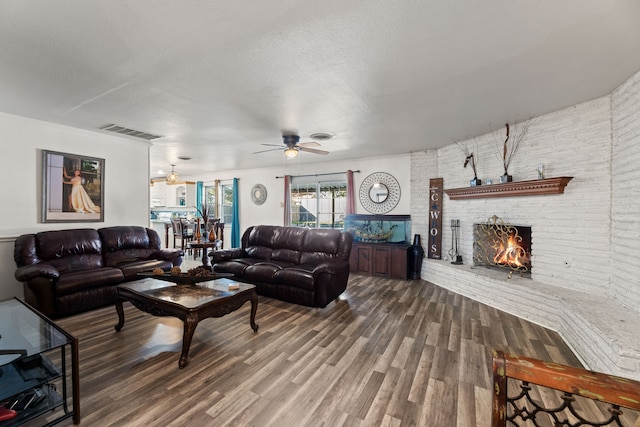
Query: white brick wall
{"x": 625, "y": 203}
{"x": 570, "y": 232}
{"x": 585, "y": 242}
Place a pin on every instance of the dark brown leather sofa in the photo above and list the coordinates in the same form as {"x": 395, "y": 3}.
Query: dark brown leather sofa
{"x": 299, "y": 265}
{"x": 70, "y": 271}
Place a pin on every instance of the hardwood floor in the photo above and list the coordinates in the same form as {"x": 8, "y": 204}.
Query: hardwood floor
{"x": 388, "y": 353}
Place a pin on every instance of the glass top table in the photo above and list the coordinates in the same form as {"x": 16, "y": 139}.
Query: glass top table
{"x": 25, "y": 333}
{"x": 26, "y": 339}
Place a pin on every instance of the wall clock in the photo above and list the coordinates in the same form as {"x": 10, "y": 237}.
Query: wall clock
{"x": 258, "y": 194}
{"x": 379, "y": 193}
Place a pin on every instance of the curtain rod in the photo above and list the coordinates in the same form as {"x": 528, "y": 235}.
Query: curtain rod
{"x": 318, "y": 174}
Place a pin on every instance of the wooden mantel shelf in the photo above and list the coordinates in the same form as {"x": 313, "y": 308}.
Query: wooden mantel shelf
{"x": 534, "y": 187}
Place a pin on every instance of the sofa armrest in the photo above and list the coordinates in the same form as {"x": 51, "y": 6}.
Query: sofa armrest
{"x": 29, "y": 272}
{"x": 167, "y": 254}
{"x": 331, "y": 267}
{"x": 227, "y": 254}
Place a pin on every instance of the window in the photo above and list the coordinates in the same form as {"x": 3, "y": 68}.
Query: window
{"x": 318, "y": 204}
{"x": 210, "y": 198}
{"x": 226, "y": 203}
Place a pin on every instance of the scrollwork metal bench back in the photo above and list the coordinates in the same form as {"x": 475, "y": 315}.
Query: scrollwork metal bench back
{"x": 525, "y": 406}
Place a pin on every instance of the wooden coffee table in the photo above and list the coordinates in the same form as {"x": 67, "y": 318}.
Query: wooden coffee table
{"x": 189, "y": 303}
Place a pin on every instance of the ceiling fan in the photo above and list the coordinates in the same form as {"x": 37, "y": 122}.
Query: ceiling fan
{"x": 293, "y": 146}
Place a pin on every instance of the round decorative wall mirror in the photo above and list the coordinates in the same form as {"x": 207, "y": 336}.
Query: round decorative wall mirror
{"x": 258, "y": 194}
{"x": 379, "y": 193}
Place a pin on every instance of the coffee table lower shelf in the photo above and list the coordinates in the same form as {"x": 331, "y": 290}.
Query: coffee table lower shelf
{"x": 189, "y": 303}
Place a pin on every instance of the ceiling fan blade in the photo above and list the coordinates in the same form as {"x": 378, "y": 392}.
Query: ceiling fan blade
{"x": 271, "y": 149}
{"x": 309, "y": 144}
{"x": 314, "y": 151}
{"x": 272, "y": 145}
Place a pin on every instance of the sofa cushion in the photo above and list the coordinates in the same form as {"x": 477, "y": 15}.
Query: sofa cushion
{"x": 296, "y": 277}
{"x": 287, "y": 244}
{"x": 236, "y": 266}
{"x": 86, "y": 279}
{"x": 125, "y": 244}
{"x": 320, "y": 246}
{"x": 259, "y": 252}
{"x": 69, "y": 250}
{"x": 264, "y": 271}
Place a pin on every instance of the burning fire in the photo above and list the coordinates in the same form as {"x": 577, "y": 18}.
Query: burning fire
{"x": 511, "y": 252}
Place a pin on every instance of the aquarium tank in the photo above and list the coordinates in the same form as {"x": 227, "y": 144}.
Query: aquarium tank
{"x": 379, "y": 228}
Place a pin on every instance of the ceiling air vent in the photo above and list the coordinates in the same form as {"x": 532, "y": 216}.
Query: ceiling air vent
{"x": 130, "y": 132}
{"x": 321, "y": 136}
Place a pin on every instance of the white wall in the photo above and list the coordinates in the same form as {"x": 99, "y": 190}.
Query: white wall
{"x": 271, "y": 212}
{"x": 126, "y": 198}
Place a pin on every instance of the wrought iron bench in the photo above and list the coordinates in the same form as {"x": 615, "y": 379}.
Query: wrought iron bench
{"x": 550, "y": 394}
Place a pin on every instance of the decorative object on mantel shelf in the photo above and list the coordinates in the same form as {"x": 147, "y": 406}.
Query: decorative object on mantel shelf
{"x": 509, "y": 151}
{"x": 470, "y": 158}
{"x": 521, "y": 188}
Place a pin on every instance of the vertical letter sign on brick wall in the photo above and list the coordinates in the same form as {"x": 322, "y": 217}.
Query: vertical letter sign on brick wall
{"x": 435, "y": 218}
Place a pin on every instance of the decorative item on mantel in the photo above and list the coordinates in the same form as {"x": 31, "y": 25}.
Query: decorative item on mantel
{"x": 470, "y": 158}
{"x": 509, "y": 151}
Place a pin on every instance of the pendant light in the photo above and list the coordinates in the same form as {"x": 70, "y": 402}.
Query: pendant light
{"x": 172, "y": 177}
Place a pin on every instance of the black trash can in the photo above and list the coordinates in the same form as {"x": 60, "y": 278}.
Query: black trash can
{"x": 414, "y": 258}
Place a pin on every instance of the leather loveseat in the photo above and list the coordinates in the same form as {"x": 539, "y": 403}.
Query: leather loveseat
{"x": 70, "y": 271}
{"x": 299, "y": 265}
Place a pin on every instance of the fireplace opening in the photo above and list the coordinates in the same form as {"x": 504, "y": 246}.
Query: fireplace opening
{"x": 497, "y": 244}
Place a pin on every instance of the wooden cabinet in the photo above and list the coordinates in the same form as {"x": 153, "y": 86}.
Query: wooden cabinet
{"x": 379, "y": 259}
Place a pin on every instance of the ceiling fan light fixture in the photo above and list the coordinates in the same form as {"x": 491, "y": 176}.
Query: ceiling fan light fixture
{"x": 172, "y": 176}
{"x": 291, "y": 152}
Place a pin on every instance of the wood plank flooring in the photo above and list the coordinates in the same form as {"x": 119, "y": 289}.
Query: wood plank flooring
{"x": 387, "y": 353}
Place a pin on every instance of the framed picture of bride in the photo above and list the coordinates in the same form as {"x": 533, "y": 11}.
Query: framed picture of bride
{"x": 72, "y": 188}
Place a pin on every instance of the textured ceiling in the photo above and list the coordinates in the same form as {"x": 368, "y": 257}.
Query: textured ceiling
{"x": 219, "y": 78}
